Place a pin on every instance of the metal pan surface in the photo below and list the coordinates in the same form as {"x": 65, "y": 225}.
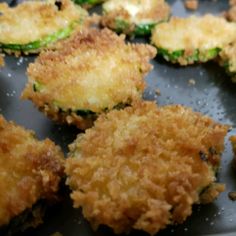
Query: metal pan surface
{"x": 213, "y": 94}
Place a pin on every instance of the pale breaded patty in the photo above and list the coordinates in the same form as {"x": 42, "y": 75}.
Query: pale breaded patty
{"x": 193, "y": 39}
{"x": 30, "y": 170}
{"x": 227, "y": 59}
{"x": 145, "y": 166}
{"x": 33, "y": 25}
{"x": 90, "y": 73}
{"x": 134, "y": 16}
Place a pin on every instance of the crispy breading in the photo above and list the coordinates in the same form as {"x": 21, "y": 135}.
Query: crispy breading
{"x": 30, "y": 170}
{"x": 194, "y": 38}
{"x": 32, "y": 21}
{"x": 231, "y": 13}
{"x": 227, "y": 59}
{"x": 145, "y": 166}
{"x": 134, "y": 12}
{"x": 92, "y": 72}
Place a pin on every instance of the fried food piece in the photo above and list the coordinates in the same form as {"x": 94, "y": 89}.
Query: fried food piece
{"x": 193, "y": 39}
{"x": 227, "y": 59}
{"x": 2, "y": 62}
{"x": 88, "y": 3}
{"x": 91, "y": 73}
{"x": 145, "y": 166}
{"x": 33, "y": 25}
{"x": 136, "y": 17}
{"x": 231, "y": 13}
{"x": 30, "y": 170}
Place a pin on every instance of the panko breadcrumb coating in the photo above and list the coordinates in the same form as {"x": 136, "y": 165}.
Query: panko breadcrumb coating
{"x": 90, "y": 73}
{"x": 30, "y": 170}
{"x": 33, "y": 25}
{"x": 231, "y": 13}
{"x": 134, "y": 16}
{"x": 145, "y": 166}
{"x": 227, "y": 59}
{"x": 193, "y": 39}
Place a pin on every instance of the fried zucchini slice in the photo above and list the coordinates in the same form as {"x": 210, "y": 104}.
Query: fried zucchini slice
{"x": 90, "y": 73}
{"x": 33, "y": 25}
{"x": 227, "y": 59}
{"x": 30, "y": 170}
{"x": 136, "y": 17}
{"x": 134, "y": 168}
{"x": 193, "y": 39}
{"x": 88, "y": 3}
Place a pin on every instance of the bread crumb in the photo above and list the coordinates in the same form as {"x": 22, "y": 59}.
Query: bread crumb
{"x": 2, "y": 63}
{"x": 191, "y": 4}
{"x": 191, "y": 82}
{"x": 158, "y": 92}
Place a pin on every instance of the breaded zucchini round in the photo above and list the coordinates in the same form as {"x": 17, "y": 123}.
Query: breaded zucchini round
{"x": 91, "y": 73}
{"x": 30, "y": 170}
{"x": 193, "y": 39}
{"x": 136, "y": 17}
{"x": 227, "y": 59}
{"x": 33, "y": 25}
{"x": 145, "y": 166}
{"x": 88, "y": 3}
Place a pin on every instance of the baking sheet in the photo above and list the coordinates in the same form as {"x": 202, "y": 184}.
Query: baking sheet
{"x": 213, "y": 94}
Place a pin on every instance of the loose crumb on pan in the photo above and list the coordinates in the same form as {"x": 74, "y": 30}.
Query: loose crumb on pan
{"x": 191, "y": 4}
{"x": 232, "y": 196}
{"x": 192, "y": 82}
{"x": 134, "y": 168}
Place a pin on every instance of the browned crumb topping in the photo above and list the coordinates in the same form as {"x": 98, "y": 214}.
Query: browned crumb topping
{"x": 93, "y": 70}
{"x": 146, "y": 12}
{"x": 30, "y": 170}
{"x": 145, "y": 166}
{"x": 191, "y": 4}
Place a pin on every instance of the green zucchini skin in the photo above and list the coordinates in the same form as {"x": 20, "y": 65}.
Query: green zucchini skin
{"x": 38, "y": 44}
{"x": 87, "y": 2}
{"x": 122, "y": 26}
{"x": 196, "y": 56}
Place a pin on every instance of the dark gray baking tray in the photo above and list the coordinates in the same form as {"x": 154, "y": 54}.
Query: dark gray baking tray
{"x": 213, "y": 94}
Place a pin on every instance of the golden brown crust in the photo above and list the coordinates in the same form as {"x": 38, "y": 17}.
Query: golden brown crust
{"x": 148, "y": 11}
{"x": 93, "y": 70}
{"x": 32, "y": 21}
{"x": 144, "y": 167}
{"x": 29, "y": 170}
